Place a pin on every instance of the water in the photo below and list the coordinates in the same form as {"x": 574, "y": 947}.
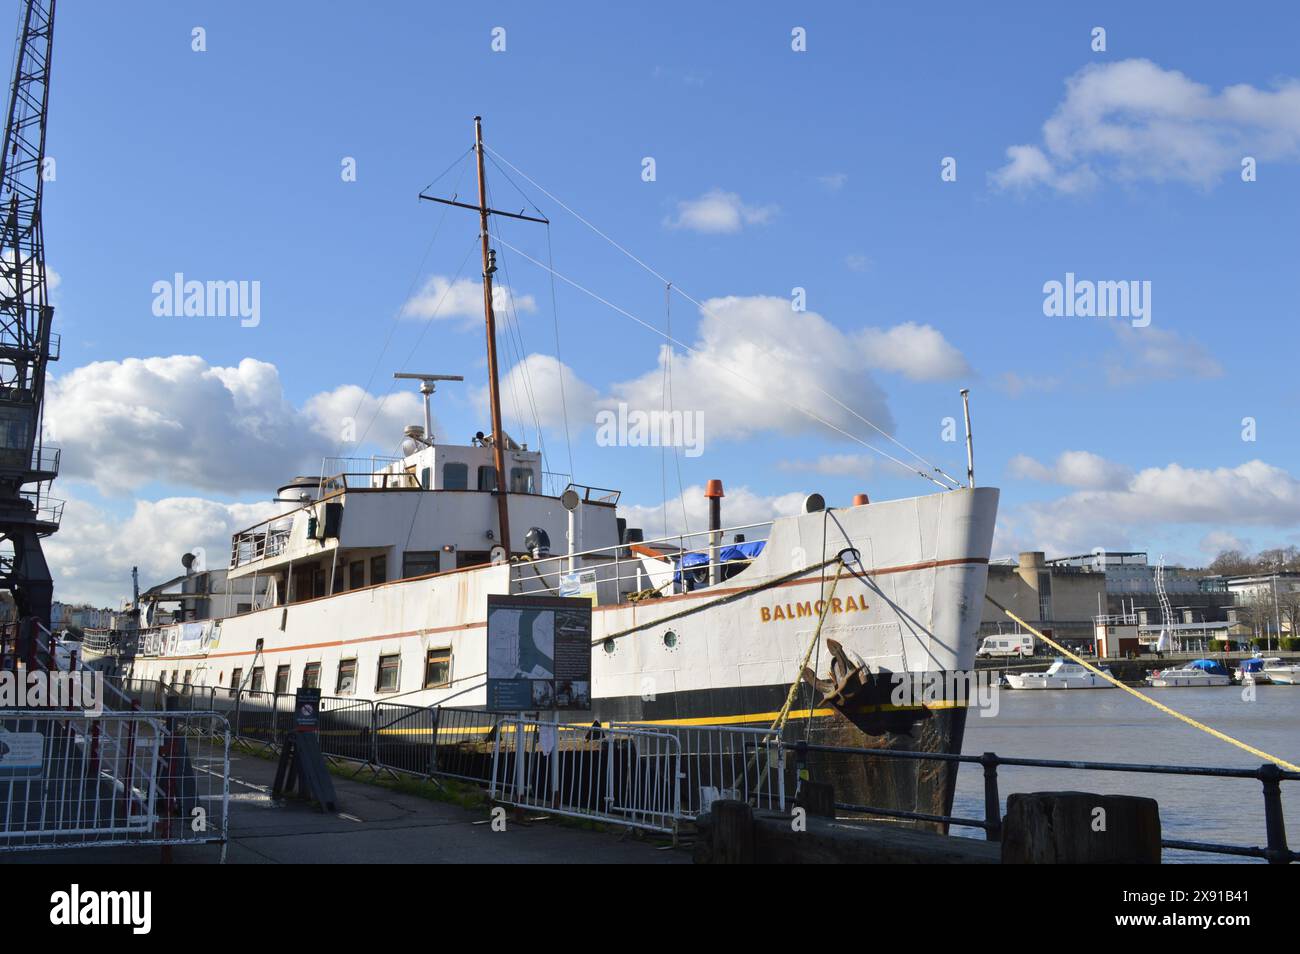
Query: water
{"x": 1108, "y": 725}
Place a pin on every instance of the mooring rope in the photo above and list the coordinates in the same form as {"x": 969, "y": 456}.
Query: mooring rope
{"x": 781, "y": 717}
{"x": 1223, "y": 737}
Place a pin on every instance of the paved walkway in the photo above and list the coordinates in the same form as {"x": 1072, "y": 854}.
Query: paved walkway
{"x": 374, "y": 824}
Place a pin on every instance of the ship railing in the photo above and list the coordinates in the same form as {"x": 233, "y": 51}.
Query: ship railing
{"x": 625, "y": 564}
{"x": 375, "y": 471}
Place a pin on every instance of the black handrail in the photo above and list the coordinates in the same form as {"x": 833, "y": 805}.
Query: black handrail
{"x": 1269, "y": 775}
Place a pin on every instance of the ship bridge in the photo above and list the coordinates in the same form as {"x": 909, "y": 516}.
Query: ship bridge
{"x": 369, "y": 521}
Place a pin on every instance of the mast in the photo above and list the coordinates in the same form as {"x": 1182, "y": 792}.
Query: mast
{"x": 494, "y": 391}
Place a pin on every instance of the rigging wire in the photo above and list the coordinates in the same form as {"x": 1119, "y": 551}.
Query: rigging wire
{"x": 707, "y": 311}
{"x": 732, "y": 371}
{"x": 419, "y": 339}
{"x": 397, "y": 313}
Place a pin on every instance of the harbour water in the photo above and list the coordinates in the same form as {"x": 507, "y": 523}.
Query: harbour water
{"x": 1112, "y": 726}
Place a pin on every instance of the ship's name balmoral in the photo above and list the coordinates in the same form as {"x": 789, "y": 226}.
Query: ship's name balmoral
{"x": 768, "y": 614}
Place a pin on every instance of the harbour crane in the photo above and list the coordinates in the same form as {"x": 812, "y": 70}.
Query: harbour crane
{"x": 27, "y": 465}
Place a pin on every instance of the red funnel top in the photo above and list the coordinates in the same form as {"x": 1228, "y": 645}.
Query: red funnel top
{"x": 714, "y": 489}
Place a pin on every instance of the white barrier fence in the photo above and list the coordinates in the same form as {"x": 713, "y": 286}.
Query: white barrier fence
{"x": 628, "y": 776}
{"x": 68, "y": 779}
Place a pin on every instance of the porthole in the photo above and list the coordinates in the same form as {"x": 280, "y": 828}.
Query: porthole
{"x": 609, "y": 646}
{"x": 670, "y": 639}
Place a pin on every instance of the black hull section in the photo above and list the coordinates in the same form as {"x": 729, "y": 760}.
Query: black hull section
{"x": 896, "y": 784}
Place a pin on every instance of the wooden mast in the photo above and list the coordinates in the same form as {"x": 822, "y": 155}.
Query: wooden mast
{"x": 489, "y": 266}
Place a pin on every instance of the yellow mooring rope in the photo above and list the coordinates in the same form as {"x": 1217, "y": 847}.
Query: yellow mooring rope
{"x": 1282, "y": 763}
{"x": 784, "y": 714}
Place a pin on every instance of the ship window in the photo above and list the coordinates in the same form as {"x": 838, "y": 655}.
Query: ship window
{"x": 356, "y": 574}
{"x": 466, "y": 558}
{"x": 487, "y": 478}
{"x": 521, "y": 480}
{"x": 378, "y": 569}
{"x": 236, "y": 677}
{"x": 455, "y": 476}
{"x": 281, "y": 678}
{"x": 258, "y": 673}
{"x": 188, "y": 672}
{"x": 346, "y": 684}
{"x": 419, "y": 562}
{"x": 388, "y": 670}
{"x": 437, "y": 668}
{"x": 426, "y": 477}
{"x": 311, "y": 676}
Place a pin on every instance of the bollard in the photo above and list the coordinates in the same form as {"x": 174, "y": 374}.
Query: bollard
{"x": 1277, "y": 852}
{"x": 1080, "y": 828}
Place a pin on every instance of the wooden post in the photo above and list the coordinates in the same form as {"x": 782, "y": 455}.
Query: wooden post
{"x": 733, "y": 832}
{"x": 1080, "y": 828}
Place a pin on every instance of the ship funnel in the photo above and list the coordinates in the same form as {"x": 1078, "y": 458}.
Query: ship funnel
{"x": 713, "y": 492}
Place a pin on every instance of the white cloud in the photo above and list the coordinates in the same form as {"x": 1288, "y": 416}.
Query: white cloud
{"x": 740, "y": 507}
{"x": 1134, "y": 120}
{"x": 783, "y": 360}
{"x": 177, "y": 419}
{"x": 1216, "y": 541}
{"x": 719, "y": 212}
{"x": 440, "y": 298}
{"x": 1251, "y": 494}
{"x": 92, "y": 554}
{"x": 919, "y": 352}
{"x": 834, "y": 181}
{"x": 535, "y": 383}
{"x": 1015, "y": 385}
{"x": 755, "y": 364}
{"x": 834, "y": 465}
{"x": 1150, "y": 353}
{"x": 857, "y": 262}
{"x": 1072, "y": 469}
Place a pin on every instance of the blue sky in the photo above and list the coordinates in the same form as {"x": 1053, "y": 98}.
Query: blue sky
{"x": 225, "y": 165}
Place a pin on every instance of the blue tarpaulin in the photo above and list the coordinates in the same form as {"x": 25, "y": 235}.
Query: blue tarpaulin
{"x": 1209, "y": 665}
{"x": 735, "y": 551}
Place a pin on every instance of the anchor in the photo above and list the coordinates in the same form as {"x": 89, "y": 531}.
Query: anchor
{"x": 847, "y": 678}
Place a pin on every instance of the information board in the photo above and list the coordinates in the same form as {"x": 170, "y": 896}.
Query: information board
{"x": 539, "y": 653}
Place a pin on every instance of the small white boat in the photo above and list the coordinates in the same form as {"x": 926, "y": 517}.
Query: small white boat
{"x": 1061, "y": 674}
{"x": 1281, "y": 673}
{"x": 1251, "y": 671}
{"x": 1198, "y": 672}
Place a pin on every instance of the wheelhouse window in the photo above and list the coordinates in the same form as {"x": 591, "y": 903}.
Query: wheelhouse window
{"x": 437, "y": 668}
{"x": 389, "y": 668}
{"x": 281, "y": 678}
{"x": 311, "y": 676}
{"x": 258, "y": 674}
{"x": 419, "y": 562}
{"x": 378, "y": 570}
{"x": 188, "y": 673}
{"x": 487, "y": 478}
{"x": 346, "y": 683}
{"x": 236, "y": 677}
{"x": 521, "y": 480}
{"x": 356, "y": 574}
{"x": 455, "y": 476}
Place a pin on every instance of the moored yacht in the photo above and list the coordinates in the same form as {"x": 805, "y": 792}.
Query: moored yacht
{"x": 1061, "y": 674}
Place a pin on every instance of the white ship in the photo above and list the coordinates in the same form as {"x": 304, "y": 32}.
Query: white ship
{"x": 1198, "y": 672}
{"x": 373, "y": 583}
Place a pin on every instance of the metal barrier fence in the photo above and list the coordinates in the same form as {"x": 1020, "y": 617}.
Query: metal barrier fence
{"x": 120, "y": 778}
{"x": 729, "y": 762}
{"x": 628, "y": 776}
{"x": 708, "y": 762}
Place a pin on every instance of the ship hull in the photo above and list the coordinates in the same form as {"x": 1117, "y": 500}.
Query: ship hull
{"x": 907, "y": 603}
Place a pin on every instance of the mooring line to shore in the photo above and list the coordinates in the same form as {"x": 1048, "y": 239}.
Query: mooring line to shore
{"x": 1223, "y": 737}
